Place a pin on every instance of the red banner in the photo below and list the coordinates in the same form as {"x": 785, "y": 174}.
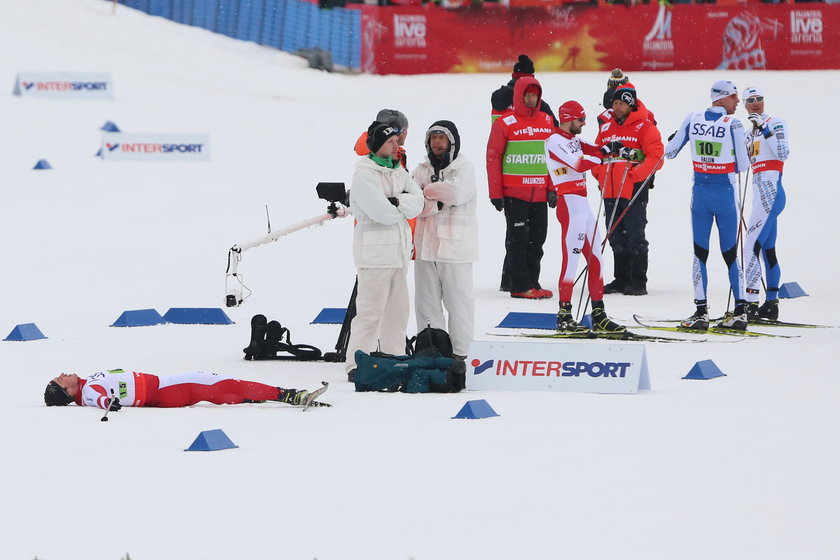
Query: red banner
{"x": 428, "y": 39}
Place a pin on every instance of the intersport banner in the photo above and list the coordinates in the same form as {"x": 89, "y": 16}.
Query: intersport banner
{"x": 428, "y": 39}
{"x": 132, "y": 146}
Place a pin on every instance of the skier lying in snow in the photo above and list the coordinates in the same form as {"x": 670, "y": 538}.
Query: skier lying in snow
{"x": 131, "y": 388}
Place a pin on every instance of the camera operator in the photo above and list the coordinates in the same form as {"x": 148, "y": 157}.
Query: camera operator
{"x": 382, "y": 197}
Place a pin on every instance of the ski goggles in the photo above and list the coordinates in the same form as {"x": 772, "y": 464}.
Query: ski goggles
{"x": 756, "y": 99}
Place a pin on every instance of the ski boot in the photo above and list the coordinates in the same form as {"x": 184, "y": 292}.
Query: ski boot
{"x": 697, "y": 322}
{"x": 769, "y": 311}
{"x": 753, "y": 312}
{"x": 602, "y": 323}
{"x": 737, "y": 320}
{"x": 566, "y": 323}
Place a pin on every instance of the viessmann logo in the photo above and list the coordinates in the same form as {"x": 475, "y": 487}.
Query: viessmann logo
{"x": 410, "y": 31}
{"x": 550, "y": 368}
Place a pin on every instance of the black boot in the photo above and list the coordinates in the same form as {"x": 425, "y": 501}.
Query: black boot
{"x": 258, "y": 326}
{"x": 769, "y": 310}
{"x": 638, "y": 265}
{"x": 621, "y": 271}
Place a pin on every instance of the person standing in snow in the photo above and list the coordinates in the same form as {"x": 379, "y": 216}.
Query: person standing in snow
{"x": 719, "y": 155}
{"x": 568, "y": 158}
{"x": 382, "y": 197}
{"x": 517, "y": 178}
{"x": 501, "y": 100}
{"x": 446, "y": 238}
{"x": 637, "y": 153}
{"x": 768, "y": 147}
{"x": 115, "y": 388}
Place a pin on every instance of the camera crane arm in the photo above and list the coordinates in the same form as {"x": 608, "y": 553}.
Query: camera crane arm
{"x": 333, "y": 192}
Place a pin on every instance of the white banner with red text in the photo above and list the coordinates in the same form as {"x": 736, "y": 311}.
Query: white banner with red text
{"x": 79, "y": 85}
{"x": 131, "y": 146}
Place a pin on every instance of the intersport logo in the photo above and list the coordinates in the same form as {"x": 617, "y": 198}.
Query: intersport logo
{"x": 551, "y": 368}
{"x": 66, "y": 86}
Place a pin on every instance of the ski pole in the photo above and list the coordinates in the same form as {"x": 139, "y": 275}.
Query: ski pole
{"x": 108, "y": 408}
{"x": 632, "y": 200}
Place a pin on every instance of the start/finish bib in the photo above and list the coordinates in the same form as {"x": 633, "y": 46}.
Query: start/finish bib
{"x": 130, "y": 146}
{"x": 80, "y": 85}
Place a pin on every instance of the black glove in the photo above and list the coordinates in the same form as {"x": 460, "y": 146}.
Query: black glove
{"x": 611, "y": 147}
{"x": 115, "y": 404}
{"x": 672, "y": 136}
{"x": 552, "y": 198}
{"x": 650, "y": 181}
{"x": 498, "y": 203}
{"x": 394, "y": 200}
{"x": 440, "y": 205}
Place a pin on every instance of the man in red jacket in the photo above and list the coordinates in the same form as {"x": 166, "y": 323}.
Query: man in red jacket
{"x": 518, "y": 177}
{"x": 638, "y": 145}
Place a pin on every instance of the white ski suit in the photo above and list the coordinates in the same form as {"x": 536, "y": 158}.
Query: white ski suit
{"x": 381, "y": 251}
{"x": 446, "y": 245}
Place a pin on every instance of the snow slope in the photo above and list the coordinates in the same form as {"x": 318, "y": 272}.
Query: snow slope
{"x": 739, "y": 467}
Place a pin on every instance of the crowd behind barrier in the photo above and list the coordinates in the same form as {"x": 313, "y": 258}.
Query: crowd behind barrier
{"x": 417, "y": 39}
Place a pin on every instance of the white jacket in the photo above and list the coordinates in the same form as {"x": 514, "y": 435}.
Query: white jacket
{"x": 450, "y": 234}
{"x": 382, "y": 238}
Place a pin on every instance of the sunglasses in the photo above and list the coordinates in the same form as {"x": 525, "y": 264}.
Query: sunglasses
{"x": 754, "y": 99}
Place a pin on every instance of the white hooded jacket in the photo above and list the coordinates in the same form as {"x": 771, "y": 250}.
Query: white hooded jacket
{"x": 382, "y": 237}
{"x": 449, "y": 234}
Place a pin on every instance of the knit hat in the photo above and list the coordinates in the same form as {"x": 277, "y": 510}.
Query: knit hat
{"x": 56, "y": 395}
{"x": 393, "y": 117}
{"x": 626, "y": 93}
{"x": 723, "y": 88}
{"x": 451, "y": 131}
{"x": 569, "y": 111}
{"x": 378, "y": 134}
{"x": 752, "y": 92}
{"x": 617, "y": 78}
{"x": 525, "y": 67}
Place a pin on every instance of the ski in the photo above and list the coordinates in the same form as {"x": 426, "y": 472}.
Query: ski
{"x": 591, "y": 335}
{"x": 712, "y": 330}
{"x": 309, "y": 400}
{"x": 762, "y": 322}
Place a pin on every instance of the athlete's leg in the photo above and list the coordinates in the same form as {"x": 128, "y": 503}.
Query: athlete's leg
{"x": 191, "y": 388}
{"x": 761, "y": 229}
{"x": 459, "y": 300}
{"x": 538, "y": 218}
{"x": 768, "y": 243}
{"x": 701, "y": 230}
{"x": 592, "y": 250}
{"x": 571, "y": 236}
{"x": 727, "y": 218}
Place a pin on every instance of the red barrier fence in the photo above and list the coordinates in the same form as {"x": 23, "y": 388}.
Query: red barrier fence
{"x": 428, "y": 39}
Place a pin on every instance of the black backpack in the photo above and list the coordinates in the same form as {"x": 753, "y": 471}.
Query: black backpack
{"x": 429, "y": 342}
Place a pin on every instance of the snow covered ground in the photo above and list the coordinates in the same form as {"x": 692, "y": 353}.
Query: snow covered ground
{"x": 739, "y": 467}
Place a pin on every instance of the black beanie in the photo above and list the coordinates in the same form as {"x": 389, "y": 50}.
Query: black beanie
{"x": 451, "y": 131}
{"x": 626, "y": 93}
{"x": 525, "y": 67}
{"x": 378, "y": 134}
{"x": 56, "y": 395}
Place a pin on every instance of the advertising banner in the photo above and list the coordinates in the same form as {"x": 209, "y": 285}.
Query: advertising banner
{"x": 427, "y": 39}
{"x": 552, "y": 366}
{"x": 128, "y": 146}
{"x": 78, "y": 85}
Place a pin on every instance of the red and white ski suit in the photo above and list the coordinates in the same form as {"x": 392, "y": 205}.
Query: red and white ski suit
{"x": 133, "y": 388}
{"x": 568, "y": 159}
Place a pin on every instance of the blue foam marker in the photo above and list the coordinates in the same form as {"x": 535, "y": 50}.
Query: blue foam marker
{"x": 139, "y": 318}
{"x": 790, "y": 290}
{"x": 516, "y": 320}
{"x": 211, "y": 440}
{"x": 475, "y": 410}
{"x": 24, "y": 332}
{"x": 705, "y": 369}
{"x": 197, "y": 316}
{"x": 330, "y": 316}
